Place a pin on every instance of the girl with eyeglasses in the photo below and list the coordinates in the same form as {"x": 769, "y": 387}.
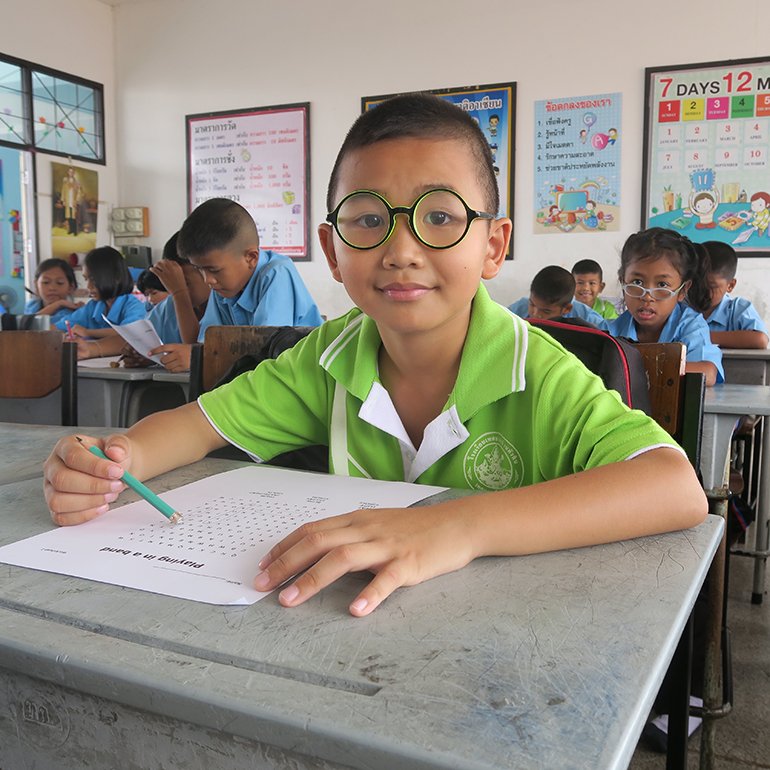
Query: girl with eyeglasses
{"x": 663, "y": 276}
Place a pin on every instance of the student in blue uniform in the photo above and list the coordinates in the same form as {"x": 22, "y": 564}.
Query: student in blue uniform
{"x": 426, "y": 380}
{"x": 663, "y": 275}
{"x": 149, "y": 284}
{"x": 251, "y": 287}
{"x": 110, "y": 285}
{"x": 177, "y": 318}
{"x": 54, "y": 283}
{"x": 551, "y": 294}
{"x": 733, "y": 321}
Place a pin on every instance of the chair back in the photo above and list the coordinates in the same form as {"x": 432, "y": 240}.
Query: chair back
{"x": 676, "y": 398}
{"x": 35, "y": 364}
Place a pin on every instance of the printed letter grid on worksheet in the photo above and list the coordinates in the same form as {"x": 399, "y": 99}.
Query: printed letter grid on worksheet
{"x": 230, "y": 521}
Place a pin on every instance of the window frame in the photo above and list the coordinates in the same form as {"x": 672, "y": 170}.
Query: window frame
{"x": 27, "y": 69}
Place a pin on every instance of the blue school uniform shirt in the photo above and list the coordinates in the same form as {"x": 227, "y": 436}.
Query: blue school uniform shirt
{"x": 683, "y": 325}
{"x": 579, "y": 310}
{"x": 33, "y": 305}
{"x": 163, "y": 319}
{"x": 274, "y": 296}
{"x": 735, "y": 314}
{"x": 125, "y": 310}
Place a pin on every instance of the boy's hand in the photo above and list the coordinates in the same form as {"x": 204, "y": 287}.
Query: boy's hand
{"x": 401, "y": 546}
{"x": 170, "y": 275}
{"x": 80, "y": 331}
{"x": 79, "y": 486}
{"x": 132, "y": 359}
{"x": 176, "y": 356}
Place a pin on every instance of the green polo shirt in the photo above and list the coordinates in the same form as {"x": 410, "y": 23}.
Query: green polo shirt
{"x": 523, "y": 410}
{"x": 605, "y": 308}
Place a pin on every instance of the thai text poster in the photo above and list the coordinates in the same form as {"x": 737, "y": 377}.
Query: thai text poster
{"x": 706, "y": 156}
{"x": 577, "y": 164}
{"x": 260, "y": 159}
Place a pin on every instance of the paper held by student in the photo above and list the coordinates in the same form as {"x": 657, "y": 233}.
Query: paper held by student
{"x": 231, "y": 521}
{"x": 141, "y": 335}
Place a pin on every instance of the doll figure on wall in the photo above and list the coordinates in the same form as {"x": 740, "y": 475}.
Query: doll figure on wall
{"x": 704, "y": 198}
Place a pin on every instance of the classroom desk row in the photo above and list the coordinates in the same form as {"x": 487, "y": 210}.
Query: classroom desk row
{"x": 550, "y": 660}
{"x": 107, "y": 397}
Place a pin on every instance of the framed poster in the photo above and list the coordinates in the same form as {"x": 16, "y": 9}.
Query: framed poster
{"x": 577, "y": 164}
{"x": 493, "y": 107}
{"x": 260, "y": 158}
{"x": 706, "y": 146}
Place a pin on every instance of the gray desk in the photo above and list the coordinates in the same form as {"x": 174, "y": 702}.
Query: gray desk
{"x": 746, "y": 367}
{"x": 107, "y": 397}
{"x": 724, "y": 405}
{"x": 26, "y": 447}
{"x": 543, "y": 661}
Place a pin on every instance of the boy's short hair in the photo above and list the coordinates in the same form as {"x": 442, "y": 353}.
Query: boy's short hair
{"x": 554, "y": 285}
{"x": 215, "y": 225}
{"x": 420, "y": 116}
{"x": 171, "y": 253}
{"x": 108, "y": 272}
{"x": 724, "y": 260}
{"x": 147, "y": 280}
{"x": 585, "y": 266}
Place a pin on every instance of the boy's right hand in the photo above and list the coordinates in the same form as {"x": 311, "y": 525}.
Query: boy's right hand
{"x": 78, "y": 485}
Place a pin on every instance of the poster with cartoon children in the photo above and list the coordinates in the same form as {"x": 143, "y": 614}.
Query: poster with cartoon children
{"x": 577, "y": 165}
{"x": 706, "y": 164}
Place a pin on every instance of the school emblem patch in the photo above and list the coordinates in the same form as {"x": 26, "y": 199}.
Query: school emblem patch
{"x": 493, "y": 463}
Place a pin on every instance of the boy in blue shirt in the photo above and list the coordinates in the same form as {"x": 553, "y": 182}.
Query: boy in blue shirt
{"x": 427, "y": 379}
{"x": 551, "y": 295}
{"x": 733, "y": 321}
{"x": 252, "y": 287}
{"x": 589, "y": 284}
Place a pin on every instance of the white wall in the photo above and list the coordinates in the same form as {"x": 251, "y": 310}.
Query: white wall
{"x": 177, "y": 57}
{"x": 75, "y": 37}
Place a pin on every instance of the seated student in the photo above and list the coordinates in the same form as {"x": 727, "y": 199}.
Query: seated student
{"x": 177, "y": 318}
{"x": 427, "y": 380}
{"x": 252, "y": 287}
{"x": 551, "y": 295}
{"x": 733, "y": 321}
{"x": 589, "y": 284}
{"x": 663, "y": 276}
{"x": 54, "y": 283}
{"x": 110, "y": 284}
{"x": 152, "y": 288}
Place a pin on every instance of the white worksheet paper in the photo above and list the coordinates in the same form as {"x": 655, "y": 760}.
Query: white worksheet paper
{"x": 141, "y": 335}
{"x": 231, "y": 521}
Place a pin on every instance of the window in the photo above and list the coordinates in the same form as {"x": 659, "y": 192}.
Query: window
{"x": 50, "y": 111}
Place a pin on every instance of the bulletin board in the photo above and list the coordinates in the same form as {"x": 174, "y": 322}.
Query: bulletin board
{"x": 260, "y": 158}
{"x": 706, "y": 169}
{"x": 493, "y": 107}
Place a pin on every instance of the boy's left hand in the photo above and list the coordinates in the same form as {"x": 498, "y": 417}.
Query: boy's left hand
{"x": 402, "y": 546}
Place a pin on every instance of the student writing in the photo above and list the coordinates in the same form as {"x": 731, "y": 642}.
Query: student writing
{"x": 54, "y": 283}
{"x": 109, "y": 283}
{"x": 589, "y": 284}
{"x": 426, "y": 380}
{"x": 733, "y": 321}
{"x": 663, "y": 275}
{"x": 551, "y": 295}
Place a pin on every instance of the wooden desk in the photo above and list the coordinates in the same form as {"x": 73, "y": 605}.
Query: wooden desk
{"x": 107, "y": 397}
{"x": 724, "y": 405}
{"x": 528, "y": 662}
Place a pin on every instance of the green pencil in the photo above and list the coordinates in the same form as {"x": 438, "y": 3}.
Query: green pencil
{"x": 137, "y": 486}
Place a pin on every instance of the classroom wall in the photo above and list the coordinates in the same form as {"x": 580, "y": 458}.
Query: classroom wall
{"x": 177, "y": 57}
{"x": 75, "y": 37}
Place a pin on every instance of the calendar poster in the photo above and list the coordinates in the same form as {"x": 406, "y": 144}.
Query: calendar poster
{"x": 707, "y": 140}
{"x": 493, "y": 107}
{"x": 577, "y": 164}
{"x": 259, "y": 158}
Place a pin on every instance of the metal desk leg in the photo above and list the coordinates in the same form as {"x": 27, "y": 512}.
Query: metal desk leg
{"x": 761, "y": 541}
{"x": 678, "y": 719}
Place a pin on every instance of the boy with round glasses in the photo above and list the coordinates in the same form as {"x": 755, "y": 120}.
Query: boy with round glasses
{"x": 426, "y": 380}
